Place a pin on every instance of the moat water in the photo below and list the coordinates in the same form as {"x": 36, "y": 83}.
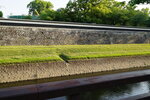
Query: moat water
{"x": 114, "y": 93}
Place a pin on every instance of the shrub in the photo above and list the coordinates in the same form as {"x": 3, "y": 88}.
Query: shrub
{"x": 1, "y": 14}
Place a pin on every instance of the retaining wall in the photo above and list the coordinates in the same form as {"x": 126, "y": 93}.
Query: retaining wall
{"x": 50, "y": 70}
{"x": 10, "y": 35}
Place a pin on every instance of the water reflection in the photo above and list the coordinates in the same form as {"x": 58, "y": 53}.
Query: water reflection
{"x": 118, "y": 92}
{"x": 114, "y": 93}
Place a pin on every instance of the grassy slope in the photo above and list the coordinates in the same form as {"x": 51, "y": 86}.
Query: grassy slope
{"x": 18, "y": 54}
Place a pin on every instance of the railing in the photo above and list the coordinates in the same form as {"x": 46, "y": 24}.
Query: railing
{"x": 74, "y": 87}
{"x": 72, "y": 25}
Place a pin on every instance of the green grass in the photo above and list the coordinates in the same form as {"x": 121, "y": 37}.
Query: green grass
{"x": 21, "y": 54}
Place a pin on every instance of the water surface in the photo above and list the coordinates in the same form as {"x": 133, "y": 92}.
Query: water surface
{"x": 114, "y": 93}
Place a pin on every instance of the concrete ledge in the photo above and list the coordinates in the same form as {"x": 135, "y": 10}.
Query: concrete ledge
{"x": 74, "y": 87}
{"x": 49, "y": 70}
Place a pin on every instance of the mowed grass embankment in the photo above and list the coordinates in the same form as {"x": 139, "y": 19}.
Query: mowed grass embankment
{"x": 22, "y": 54}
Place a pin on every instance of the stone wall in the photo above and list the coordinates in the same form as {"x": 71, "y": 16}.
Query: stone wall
{"x": 10, "y": 35}
{"x": 42, "y": 70}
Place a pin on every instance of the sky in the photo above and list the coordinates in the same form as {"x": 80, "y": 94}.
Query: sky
{"x": 18, "y": 7}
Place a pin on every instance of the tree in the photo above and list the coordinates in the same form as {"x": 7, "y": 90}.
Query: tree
{"x": 99, "y": 11}
{"x": 95, "y": 11}
{"x": 37, "y": 6}
{"x": 81, "y": 10}
{"x": 48, "y": 14}
{"x": 61, "y": 15}
{"x": 1, "y": 14}
{"x": 140, "y": 18}
{"x": 133, "y": 2}
{"x": 148, "y": 22}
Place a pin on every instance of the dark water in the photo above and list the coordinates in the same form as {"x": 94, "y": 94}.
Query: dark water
{"x": 114, "y": 93}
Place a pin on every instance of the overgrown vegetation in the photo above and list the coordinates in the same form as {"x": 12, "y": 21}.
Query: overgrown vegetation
{"x": 1, "y": 14}
{"x": 109, "y": 12}
{"x": 21, "y": 54}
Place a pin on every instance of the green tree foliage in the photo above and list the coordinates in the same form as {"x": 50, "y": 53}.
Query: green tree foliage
{"x": 87, "y": 10}
{"x": 140, "y": 18}
{"x": 106, "y": 12}
{"x": 133, "y": 2}
{"x": 27, "y": 17}
{"x": 48, "y": 14}
{"x": 61, "y": 15}
{"x": 36, "y": 7}
{"x": 1, "y": 14}
{"x": 99, "y": 11}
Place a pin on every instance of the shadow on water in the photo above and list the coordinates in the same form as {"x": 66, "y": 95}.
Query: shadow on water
{"x": 114, "y": 93}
